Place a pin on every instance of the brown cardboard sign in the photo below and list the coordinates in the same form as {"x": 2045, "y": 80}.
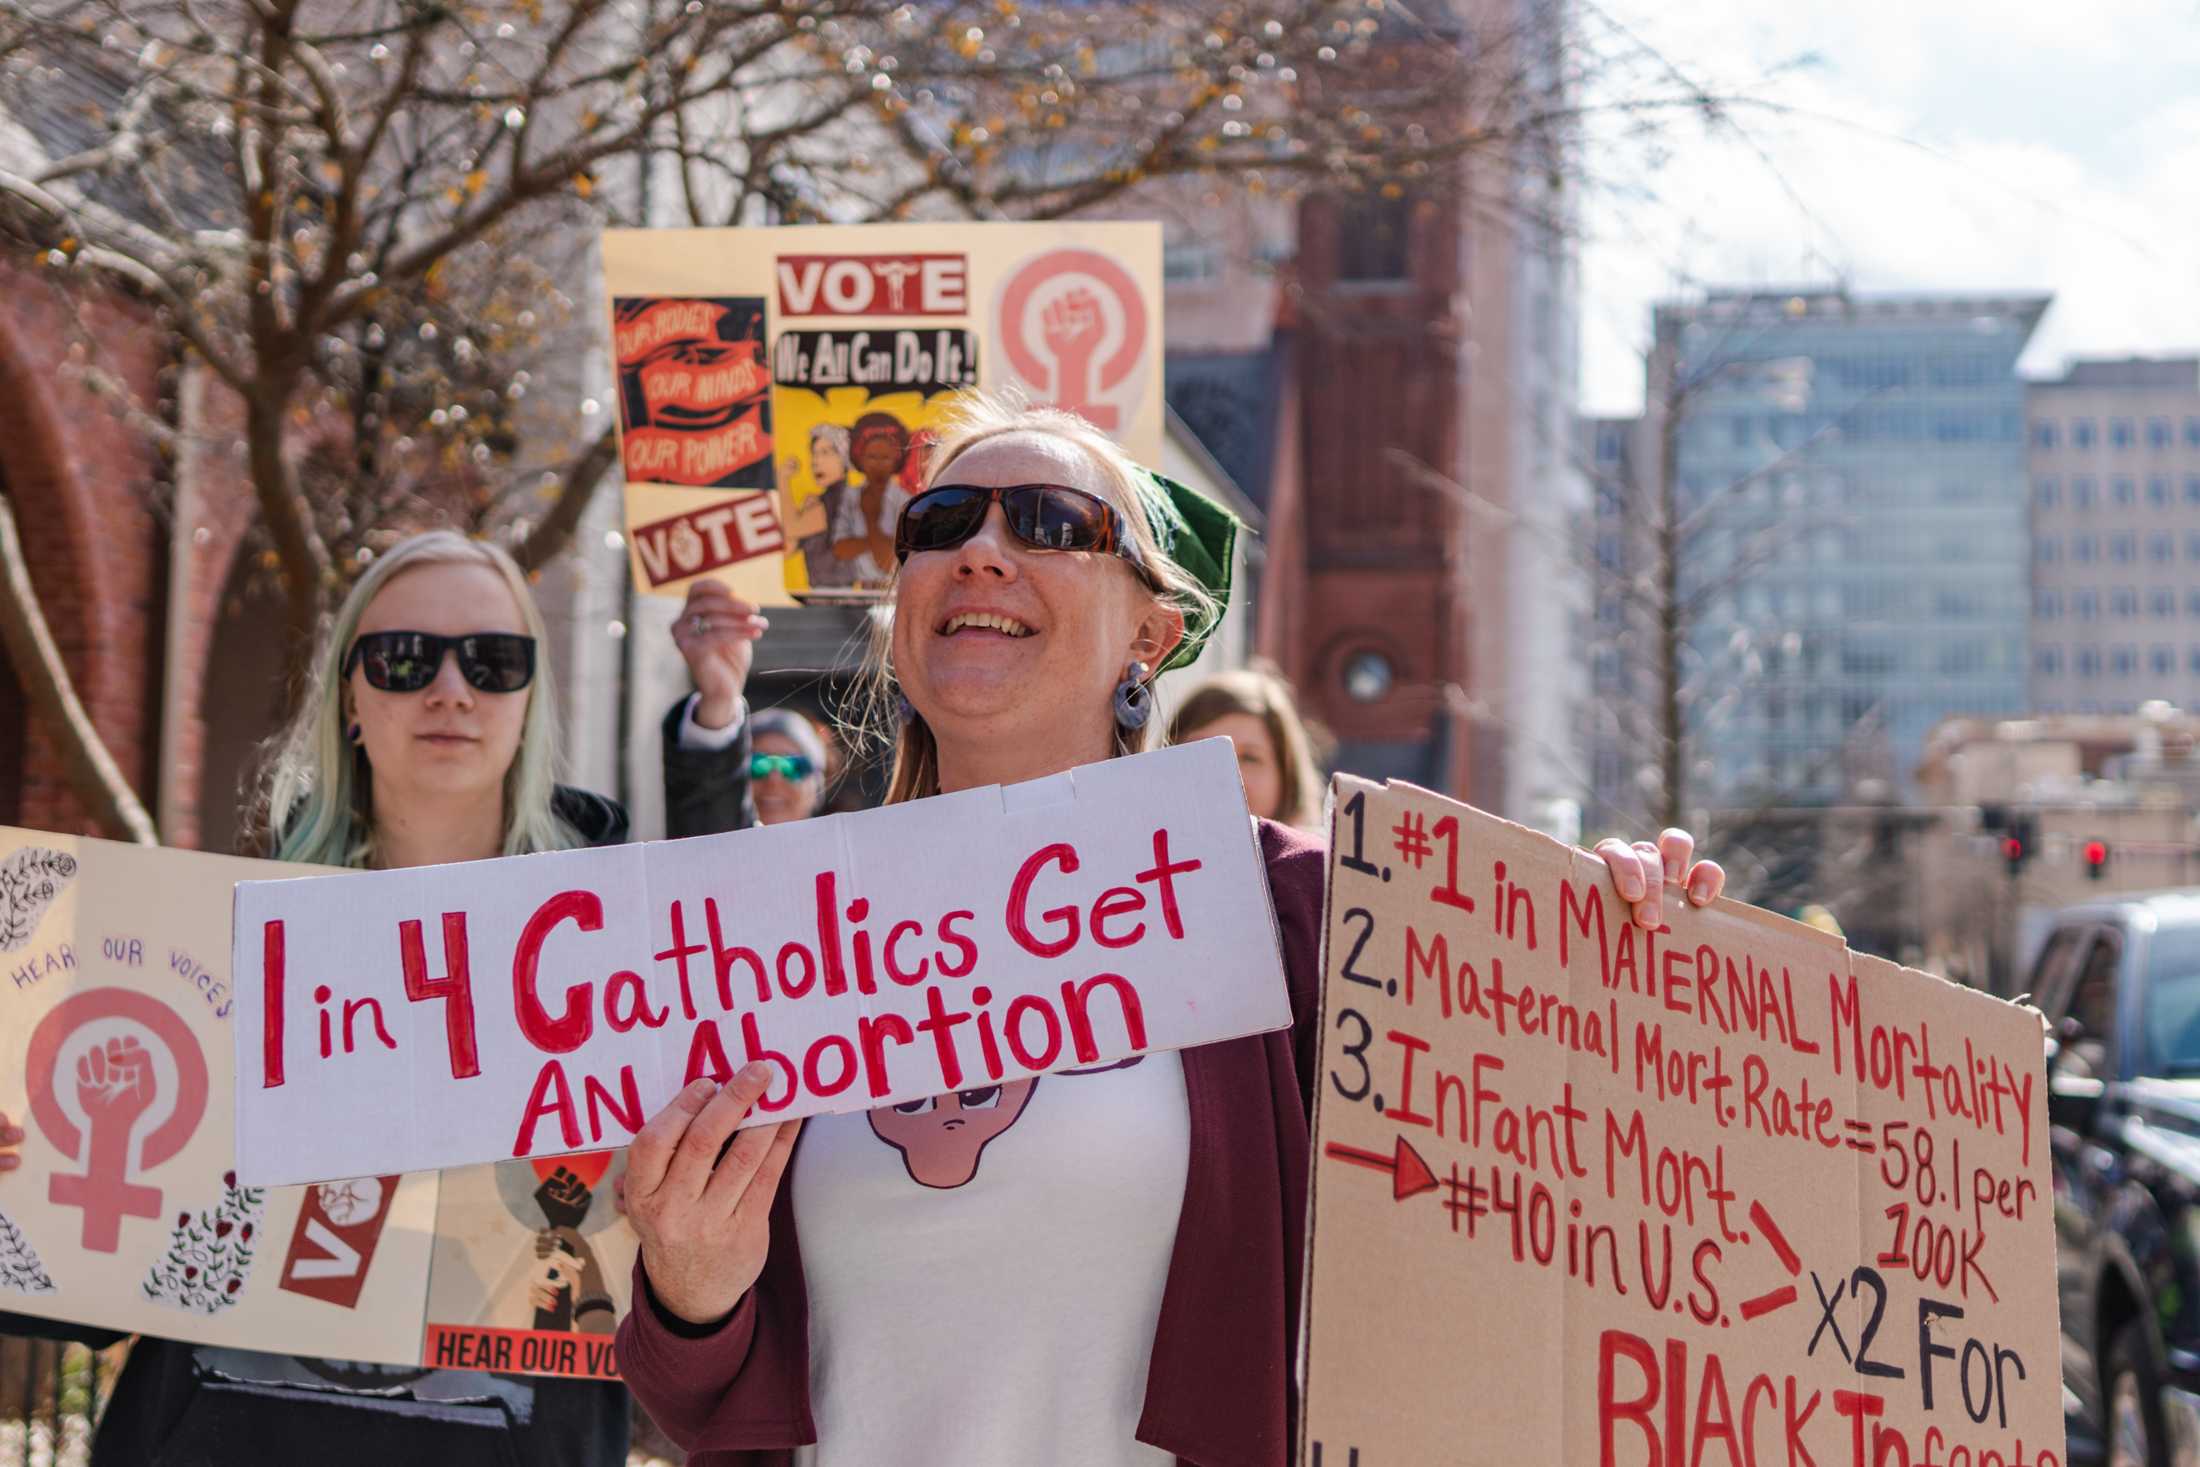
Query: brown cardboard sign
{"x": 1714, "y": 1195}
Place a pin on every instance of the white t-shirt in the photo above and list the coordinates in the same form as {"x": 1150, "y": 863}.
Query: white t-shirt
{"x": 985, "y": 1271}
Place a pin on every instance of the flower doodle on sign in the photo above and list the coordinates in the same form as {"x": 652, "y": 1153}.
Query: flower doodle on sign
{"x": 210, "y": 1254}
{"x": 30, "y": 879}
{"x": 20, "y": 1268}
{"x": 116, "y": 1081}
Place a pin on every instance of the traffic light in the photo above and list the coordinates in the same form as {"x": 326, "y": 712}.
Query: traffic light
{"x": 2095, "y": 855}
{"x": 2017, "y": 842}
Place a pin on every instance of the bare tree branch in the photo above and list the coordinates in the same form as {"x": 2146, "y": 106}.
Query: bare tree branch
{"x": 93, "y": 774}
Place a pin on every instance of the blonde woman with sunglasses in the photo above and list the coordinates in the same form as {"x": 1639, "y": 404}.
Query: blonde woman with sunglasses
{"x": 428, "y": 735}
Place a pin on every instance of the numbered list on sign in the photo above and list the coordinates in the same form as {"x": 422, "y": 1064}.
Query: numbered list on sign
{"x": 1718, "y": 1192}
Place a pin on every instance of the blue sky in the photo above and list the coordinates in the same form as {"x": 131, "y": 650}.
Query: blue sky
{"x": 1933, "y": 144}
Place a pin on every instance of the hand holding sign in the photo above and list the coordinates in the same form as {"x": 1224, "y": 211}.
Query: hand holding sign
{"x": 1633, "y": 868}
{"x": 703, "y": 1207}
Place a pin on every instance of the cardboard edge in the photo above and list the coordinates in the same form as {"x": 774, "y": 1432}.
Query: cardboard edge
{"x": 246, "y": 1172}
{"x": 1304, "y": 1363}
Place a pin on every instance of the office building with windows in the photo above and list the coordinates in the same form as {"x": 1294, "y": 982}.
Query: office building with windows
{"x": 2115, "y": 469}
{"x": 1852, "y": 534}
{"x": 1623, "y": 628}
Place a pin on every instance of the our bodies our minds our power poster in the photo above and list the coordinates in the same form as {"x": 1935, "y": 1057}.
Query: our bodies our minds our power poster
{"x": 779, "y": 387}
{"x": 1719, "y": 1193}
{"x": 116, "y": 1058}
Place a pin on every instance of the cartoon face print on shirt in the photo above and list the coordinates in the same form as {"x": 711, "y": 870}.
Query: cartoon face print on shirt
{"x": 941, "y": 1138}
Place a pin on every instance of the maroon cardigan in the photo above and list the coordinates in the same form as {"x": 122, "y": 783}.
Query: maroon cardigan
{"x": 1220, "y": 1390}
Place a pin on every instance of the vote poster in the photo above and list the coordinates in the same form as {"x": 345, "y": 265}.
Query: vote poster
{"x": 1716, "y": 1194}
{"x": 536, "y": 1006}
{"x": 127, "y": 1211}
{"x": 779, "y": 387}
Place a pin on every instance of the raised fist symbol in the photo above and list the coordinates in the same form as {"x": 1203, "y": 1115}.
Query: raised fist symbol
{"x": 1071, "y": 327}
{"x": 564, "y": 1198}
{"x": 114, "y": 1082}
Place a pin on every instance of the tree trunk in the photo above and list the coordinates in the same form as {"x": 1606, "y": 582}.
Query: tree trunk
{"x": 547, "y": 539}
{"x": 93, "y": 774}
{"x": 306, "y": 568}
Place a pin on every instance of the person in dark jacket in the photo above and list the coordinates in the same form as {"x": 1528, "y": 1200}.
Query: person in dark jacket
{"x": 1096, "y": 1269}
{"x": 429, "y": 736}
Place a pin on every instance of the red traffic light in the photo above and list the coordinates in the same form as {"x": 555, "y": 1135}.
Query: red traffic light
{"x": 2095, "y": 854}
{"x": 2012, "y": 848}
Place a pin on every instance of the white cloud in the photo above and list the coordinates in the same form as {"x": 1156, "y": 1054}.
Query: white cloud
{"x": 1944, "y": 145}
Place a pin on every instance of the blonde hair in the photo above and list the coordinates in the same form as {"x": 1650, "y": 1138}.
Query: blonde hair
{"x": 976, "y": 418}
{"x": 318, "y": 803}
{"x": 1260, "y": 692}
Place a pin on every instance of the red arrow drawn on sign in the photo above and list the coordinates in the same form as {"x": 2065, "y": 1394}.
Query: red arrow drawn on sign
{"x": 1409, "y": 1175}
{"x": 1783, "y": 1296}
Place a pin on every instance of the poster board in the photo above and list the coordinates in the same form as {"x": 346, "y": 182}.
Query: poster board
{"x": 1721, "y": 1193}
{"x": 126, "y": 1212}
{"x": 538, "y": 1005}
{"x": 533, "y": 1267}
{"x": 778, "y": 386}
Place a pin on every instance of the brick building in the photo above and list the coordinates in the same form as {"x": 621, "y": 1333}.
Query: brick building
{"x": 1392, "y": 380}
{"x": 130, "y": 550}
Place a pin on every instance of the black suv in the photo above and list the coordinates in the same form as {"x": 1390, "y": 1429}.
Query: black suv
{"x": 2119, "y": 982}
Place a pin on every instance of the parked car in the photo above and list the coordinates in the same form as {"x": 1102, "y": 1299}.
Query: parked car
{"x": 2119, "y": 982}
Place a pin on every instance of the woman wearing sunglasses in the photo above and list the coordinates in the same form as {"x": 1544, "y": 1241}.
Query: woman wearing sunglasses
{"x": 428, "y": 736}
{"x": 1108, "y": 1274}
{"x": 787, "y": 769}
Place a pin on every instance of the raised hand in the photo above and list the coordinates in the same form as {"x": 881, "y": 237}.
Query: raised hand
{"x": 1643, "y": 870}
{"x": 1071, "y": 328}
{"x": 557, "y": 1271}
{"x": 716, "y": 634}
{"x": 1071, "y": 325}
{"x": 563, "y": 1198}
{"x": 114, "y": 1081}
{"x": 569, "y": 1286}
{"x": 700, "y": 1194}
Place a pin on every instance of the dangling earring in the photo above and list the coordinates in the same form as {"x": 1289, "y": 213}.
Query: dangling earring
{"x": 351, "y": 733}
{"x": 1133, "y": 699}
{"x": 904, "y": 710}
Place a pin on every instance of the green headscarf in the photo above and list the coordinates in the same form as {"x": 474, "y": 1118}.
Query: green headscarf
{"x": 1201, "y": 536}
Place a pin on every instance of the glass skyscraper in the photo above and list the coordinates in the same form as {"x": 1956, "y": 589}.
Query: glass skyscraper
{"x": 1851, "y": 530}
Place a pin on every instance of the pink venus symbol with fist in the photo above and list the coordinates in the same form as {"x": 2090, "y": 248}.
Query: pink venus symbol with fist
{"x": 1057, "y": 309}
{"x": 115, "y": 1079}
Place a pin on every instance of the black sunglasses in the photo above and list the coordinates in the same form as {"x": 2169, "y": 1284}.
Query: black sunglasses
{"x": 406, "y": 662}
{"x": 1043, "y": 516}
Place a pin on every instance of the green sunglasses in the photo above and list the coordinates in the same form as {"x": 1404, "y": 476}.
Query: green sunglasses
{"x": 791, "y": 767}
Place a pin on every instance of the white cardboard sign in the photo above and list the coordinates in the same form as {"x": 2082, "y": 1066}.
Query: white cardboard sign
{"x": 535, "y": 1005}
